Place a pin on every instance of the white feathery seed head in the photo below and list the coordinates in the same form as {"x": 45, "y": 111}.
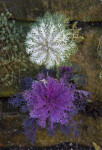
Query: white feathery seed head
{"x": 49, "y": 43}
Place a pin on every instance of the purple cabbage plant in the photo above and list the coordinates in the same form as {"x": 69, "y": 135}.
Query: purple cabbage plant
{"x": 51, "y": 100}
{"x": 80, "y": 96}
{"x": 18, "y": 101}
{"x": 30, "y": 127}
{"x": 50, "y": 105}
{"x": 47, "y": 72}
{"x": 26, "y": 83}
{"x": 66, "y": 73}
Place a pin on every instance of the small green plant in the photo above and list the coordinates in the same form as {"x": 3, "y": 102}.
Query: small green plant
{"x": 96, "y": 146}
{"x": 76, "y": 37}
{"x": 12, "y": 55}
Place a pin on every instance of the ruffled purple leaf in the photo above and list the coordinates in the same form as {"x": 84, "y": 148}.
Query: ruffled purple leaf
{"x": 26, "y": 83}
{"x": 30, "y": 127}
{"x": 18, "y": 101}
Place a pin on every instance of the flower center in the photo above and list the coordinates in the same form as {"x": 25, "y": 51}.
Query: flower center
{"x": 47, "y": 46}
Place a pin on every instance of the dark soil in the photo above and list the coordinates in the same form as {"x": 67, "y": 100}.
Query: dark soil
{"x": 63, "y": 146}
{"x": 94, "y": 109}
{"x": 81, "y": 24}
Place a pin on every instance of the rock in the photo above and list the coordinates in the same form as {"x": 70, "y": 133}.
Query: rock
{"x": 90, "y": 10}
{"x": 89, "y": 130}
{"x": 0, "y": 110}
{"x": 89, "y": 61}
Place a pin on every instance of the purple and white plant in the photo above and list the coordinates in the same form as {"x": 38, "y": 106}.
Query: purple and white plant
{"x": 49, "y": 102}
{"x": 50, "y": 105}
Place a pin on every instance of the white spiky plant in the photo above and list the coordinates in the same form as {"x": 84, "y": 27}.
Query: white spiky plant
{"x": 49, "y": 42}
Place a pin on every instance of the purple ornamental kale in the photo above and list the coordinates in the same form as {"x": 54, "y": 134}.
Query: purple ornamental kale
{"x": 66, "y": 73}
{"x": 65, "y": 69}
{"x": 80, "y": 99}
{"x": 80, "y": 96}
{"x": 50, "y": 104}
{"x": 52, "y": 101}
{"x": 46, "y": 72}
{"x": 18, "y": 101}
{"x": 71, "y": 126}
{"x": 26, "y": 83}
{"x": 30, "y": 127}
{"x": 41, "y": 76}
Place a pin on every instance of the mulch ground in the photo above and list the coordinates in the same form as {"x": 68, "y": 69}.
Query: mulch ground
{"x": 62, "y": 146}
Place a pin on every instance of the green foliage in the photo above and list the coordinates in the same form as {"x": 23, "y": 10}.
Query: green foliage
{"x": 96, "y": 146}
{"x": 12, "y": 55}
{"x": 76, "y": 31}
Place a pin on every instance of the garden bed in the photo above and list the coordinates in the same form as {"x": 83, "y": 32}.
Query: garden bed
{"x": 11, "y": 137}
{"x": 62, "y": 146}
